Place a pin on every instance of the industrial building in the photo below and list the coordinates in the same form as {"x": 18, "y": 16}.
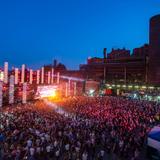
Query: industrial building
{"x": 142, "y": 66}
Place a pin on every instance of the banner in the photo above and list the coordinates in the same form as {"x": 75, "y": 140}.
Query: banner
{"x": 6, "y": 72}
{"x": 11, "y": 90}
{"x": 23, "y": 73}
{"x": 30, "y": 76}
{"x": 75, "y": 88}
{"x": 49, "y": 77}
{"x": 24, "y": 93}
{"x": 38, "y": 78}
{"x": 42, "y": 75}
{"x": 66, "y": 90}
{"x": 69, "y": 87}
{"x": 1, "y": 94}
{"x": 58, "y": 75}
{"x": 16, "y": 76}
{"x": 52, "y": 76}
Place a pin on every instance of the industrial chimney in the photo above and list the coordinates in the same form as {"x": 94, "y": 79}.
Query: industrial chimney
{"x": 105, "y": 54}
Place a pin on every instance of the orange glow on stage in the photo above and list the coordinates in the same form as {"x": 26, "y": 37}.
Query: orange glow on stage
{"x": 46, "y": 92}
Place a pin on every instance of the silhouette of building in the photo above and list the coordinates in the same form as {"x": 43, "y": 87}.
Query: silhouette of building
{"x": 154, "y": 54}
{"x": 119, "y": 66}
{"x": 141, "y": 66}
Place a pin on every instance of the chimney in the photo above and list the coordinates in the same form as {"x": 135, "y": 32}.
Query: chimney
{"x": 105, "y": 54}
{"x": 55, "y": 63}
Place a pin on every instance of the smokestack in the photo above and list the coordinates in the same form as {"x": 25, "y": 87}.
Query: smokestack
{"x": 105, "y": 54}
{"x": 55, "y": 63}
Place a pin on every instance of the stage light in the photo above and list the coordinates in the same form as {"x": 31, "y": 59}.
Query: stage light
{"x": 158, "y": 98}
{"x": 134, "y": 95}
{"x": 91, "y": 92}
{"x": 151, "y": 87}
{"x": 144, "y": 87}
{"x": 136, "y": 86}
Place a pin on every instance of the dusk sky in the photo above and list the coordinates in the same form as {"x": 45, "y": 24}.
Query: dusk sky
{"x": 35, "y": 32}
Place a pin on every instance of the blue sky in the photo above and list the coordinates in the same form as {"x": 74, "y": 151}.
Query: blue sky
{"x": 35, "y": 32}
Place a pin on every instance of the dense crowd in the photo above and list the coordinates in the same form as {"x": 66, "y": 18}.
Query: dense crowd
{"x": 94, "y": 128}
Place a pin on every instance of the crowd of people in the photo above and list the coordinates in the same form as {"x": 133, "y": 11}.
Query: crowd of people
{"x": 94, "y": 128}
